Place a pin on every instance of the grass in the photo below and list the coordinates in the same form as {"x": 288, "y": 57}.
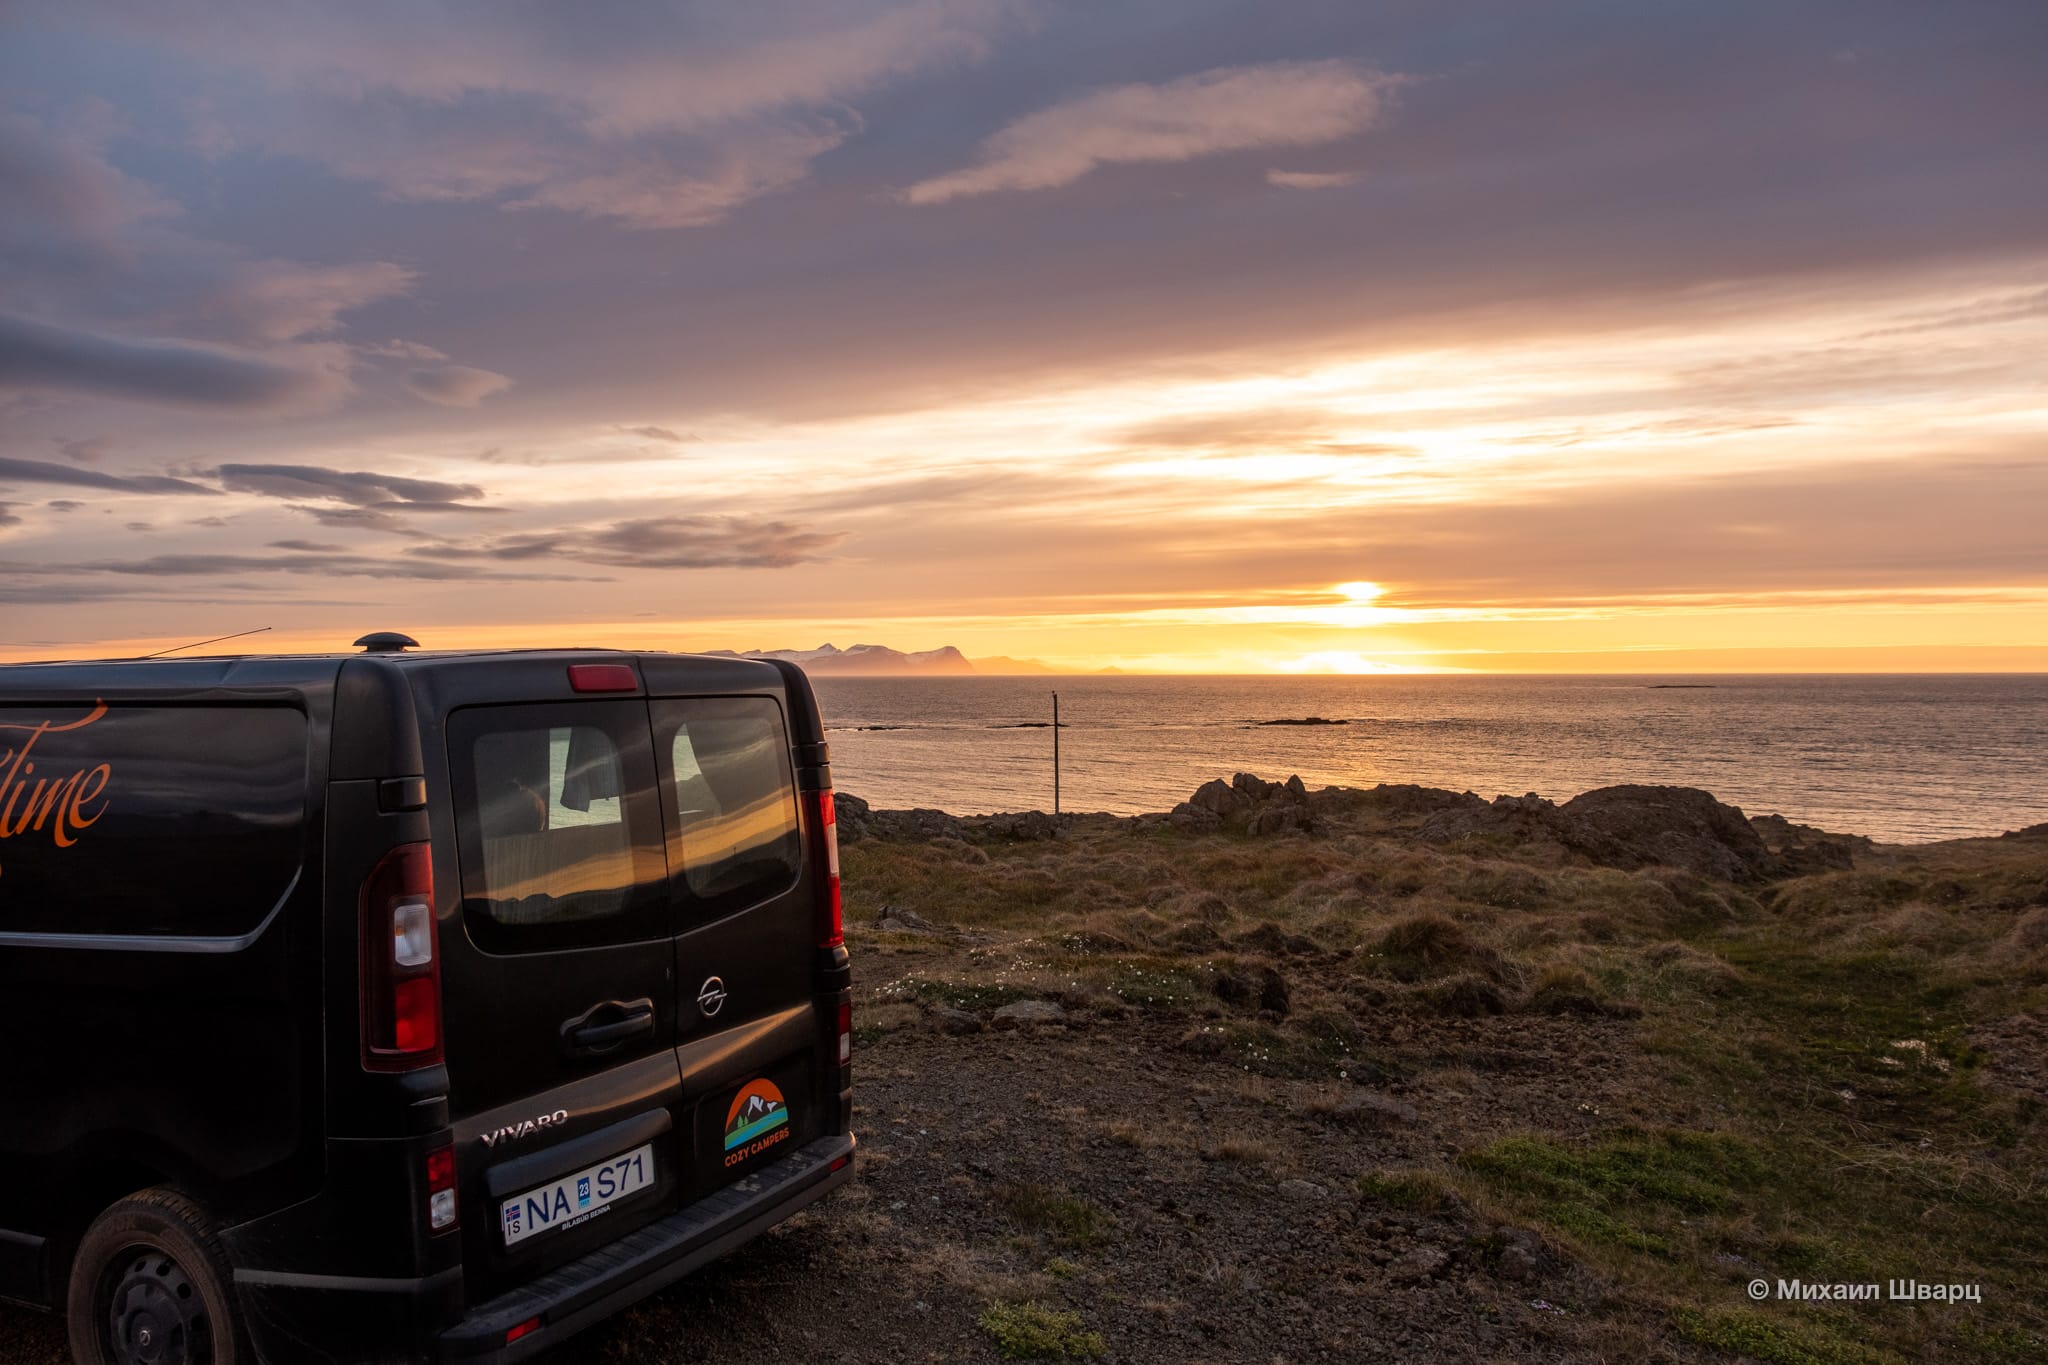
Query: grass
{"x": 1032, "y": 1331}
{"x": 1773, "y": 1340}
{"x": 1807, "y": 1097}
{"x": 1070, "y": 1220}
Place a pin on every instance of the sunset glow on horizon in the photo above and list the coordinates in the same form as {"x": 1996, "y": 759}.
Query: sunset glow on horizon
{"x": 1304, "y": 342}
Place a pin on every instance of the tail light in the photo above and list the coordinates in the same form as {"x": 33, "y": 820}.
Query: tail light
{"x": 401, "y": 963}
{"x": 441, "y": 1189}
{"x": 831, "y": 932}
{"x": 845, "y": 1032}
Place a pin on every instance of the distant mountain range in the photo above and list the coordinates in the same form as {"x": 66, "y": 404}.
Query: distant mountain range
{"x": 829, "y": 660}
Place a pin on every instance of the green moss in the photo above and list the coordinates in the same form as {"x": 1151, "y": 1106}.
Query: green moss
{"x": 1069, "y": 1219}
{"x": 1773, "y": 1340}
{"x": 1032, "y": 1331}
{"x": 1417, "y": 1191}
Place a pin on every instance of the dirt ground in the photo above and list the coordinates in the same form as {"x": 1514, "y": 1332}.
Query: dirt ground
{"x": 1220, "y": 1216}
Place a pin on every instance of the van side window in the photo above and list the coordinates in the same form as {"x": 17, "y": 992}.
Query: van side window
{"x": 158, "y": 820}
{"x": 557, "y": 825}
{"x": 733, "y": 797}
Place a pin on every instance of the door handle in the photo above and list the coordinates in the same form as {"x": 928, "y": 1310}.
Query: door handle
{"x": 605, "y": 1027}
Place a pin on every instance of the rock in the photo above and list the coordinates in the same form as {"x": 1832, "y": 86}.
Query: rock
{"x": 1218, "y": 798}
{"x": 1204, "y": 1042}
{"x": 850, "y": 817}
{"x": 946, "y": 1019}
{"x": 1302, "y": 1189}
{"x": 1029, "y": 1012}
{"x": 856, "y": 820}
{"x": 1372, "y": 1109}
{"x": 1521, "y": 819}
{"x": 896, "y": 919}
{"x": 1022, "y": 826}
{"x": 1280, "y": 817}
{"x": 1419, "y": 1264}
{"x": 1638, "y": 826}
{"x": 1517, "y": 1264}
{"x": 1191, "y": 818}
{"x": 1804, "y": 849}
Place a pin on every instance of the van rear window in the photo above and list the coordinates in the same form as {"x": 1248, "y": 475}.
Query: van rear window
{"x": 726, "y": 762}
{"x": 557, "y": 825}
{"x": 155, "y": 820}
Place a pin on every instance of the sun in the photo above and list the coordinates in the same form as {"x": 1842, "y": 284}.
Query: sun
{"x": 1360, "y": 592}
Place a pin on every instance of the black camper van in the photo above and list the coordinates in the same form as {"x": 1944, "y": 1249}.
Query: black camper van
{"x": 407, "y": 1006}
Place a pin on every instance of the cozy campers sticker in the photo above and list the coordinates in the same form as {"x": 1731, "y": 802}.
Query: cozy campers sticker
{"x": 54, "y": 801}
{"x": 757, "y": 1121}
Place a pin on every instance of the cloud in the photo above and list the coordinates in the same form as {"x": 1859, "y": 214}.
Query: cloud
{"x": 39, "y": 355}
{"x": 657, "y": 434}
{"x": 64, "y": 199}
{"x": 456, "y": 386}
{"x": 357, "y": 519}
{"x": 311, "y": 547}
{"x": 86, "y": 452}
{"x": 1311, "y": 180}
{"x": 1230, "y": 109}
{"x": 280, "y": 300}
{"x": 246, "y": 565}
{"x": 359, "y": 487}
{"x": 7, "y": 514}
{"x": 657, "y": 117}
{"x": 652, "y": 191}
{"x": 1309, "y": 430}
{"x": 687, "y": 542}
{"x": 401, "y": 350}
{"x": 44, "y": 471}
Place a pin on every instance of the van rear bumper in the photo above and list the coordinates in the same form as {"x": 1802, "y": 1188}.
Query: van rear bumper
{"x": 610, "y": 1278}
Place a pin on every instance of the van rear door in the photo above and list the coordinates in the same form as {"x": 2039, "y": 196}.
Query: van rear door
{"x": 559, "y": 990}
{"x": 749, "y": 1031}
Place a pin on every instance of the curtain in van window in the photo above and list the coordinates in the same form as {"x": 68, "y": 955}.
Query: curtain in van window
{"x": 545, "y": 859}
{"x": 735, "y": 798}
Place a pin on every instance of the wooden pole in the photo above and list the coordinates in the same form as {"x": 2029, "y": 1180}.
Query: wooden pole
{"x": 1055, "y": 753}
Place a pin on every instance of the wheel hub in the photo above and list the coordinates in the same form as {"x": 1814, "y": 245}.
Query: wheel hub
{"x": 156, "y": 1316}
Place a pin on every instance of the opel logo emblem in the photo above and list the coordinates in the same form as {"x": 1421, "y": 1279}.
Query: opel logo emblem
{"x": 711, "y": 997}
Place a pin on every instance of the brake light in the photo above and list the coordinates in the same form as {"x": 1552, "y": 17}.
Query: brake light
{"x": 603, "y": 678}
{"x": 831, "y": 931}
{"x": 400, "y": 979}
{"x": 845, "y": 1032}
{"x": 513, "y": 1334}
{"x": 441, "y": 1188}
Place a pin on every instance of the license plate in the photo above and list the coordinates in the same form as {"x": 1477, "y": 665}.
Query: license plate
{"x": 576, "y": 1198}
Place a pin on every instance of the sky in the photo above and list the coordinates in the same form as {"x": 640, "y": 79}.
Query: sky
{"x": 1178, "y": 336}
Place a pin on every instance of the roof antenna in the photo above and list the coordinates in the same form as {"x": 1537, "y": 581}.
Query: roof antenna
{"x": 214, "y": 641}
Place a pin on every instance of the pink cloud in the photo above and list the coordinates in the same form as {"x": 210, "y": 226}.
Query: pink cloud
{"x": 1231, "y": 109}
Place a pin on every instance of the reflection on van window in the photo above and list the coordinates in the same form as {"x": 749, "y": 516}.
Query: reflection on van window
{"x": 555, "y": 846}
{"x": 735, "y": 802}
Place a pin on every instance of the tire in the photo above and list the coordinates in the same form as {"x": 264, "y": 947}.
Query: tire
{"x": 150, "y": 1286}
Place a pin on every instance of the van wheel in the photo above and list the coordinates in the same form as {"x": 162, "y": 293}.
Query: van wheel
{"x": 150, "y": 1286}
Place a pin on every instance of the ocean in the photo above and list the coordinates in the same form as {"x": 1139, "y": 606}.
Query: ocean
{"x": 1899, "y": 758}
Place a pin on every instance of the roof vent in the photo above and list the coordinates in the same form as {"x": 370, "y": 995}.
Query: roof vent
{"x": 387, "y": 642}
